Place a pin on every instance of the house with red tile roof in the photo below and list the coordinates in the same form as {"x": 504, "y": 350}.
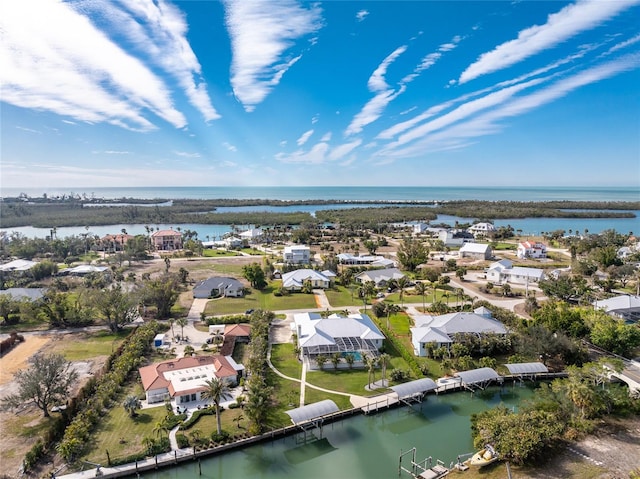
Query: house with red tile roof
{"x": 166, "y": 240}
{"x": 530, "y": 249}
{"x": 183, "y": 380}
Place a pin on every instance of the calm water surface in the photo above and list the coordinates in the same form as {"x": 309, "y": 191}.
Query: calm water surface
{"x": 361, "y": 446}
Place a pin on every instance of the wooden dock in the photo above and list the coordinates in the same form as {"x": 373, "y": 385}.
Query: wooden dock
{"x": 424, "y": 469}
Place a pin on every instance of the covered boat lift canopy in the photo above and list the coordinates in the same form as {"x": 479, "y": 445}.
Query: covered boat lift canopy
{"x": 527, "y": 370}
{"x": 312, "y": 413}
{"x": 478, "y": 378}
{"x": 414, "y": 390}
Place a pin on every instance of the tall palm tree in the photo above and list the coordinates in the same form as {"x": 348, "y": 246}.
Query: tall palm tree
{"x": 182, "y": 322}
{"x": 402, "y": 284}
{"x": 383, "y": 360}
{"x": 421, "y": 289}
{"x": 216, "y": 390}
{"x": 160, "y": 428}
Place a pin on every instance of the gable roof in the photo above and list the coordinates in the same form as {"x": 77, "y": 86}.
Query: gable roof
{"x": 379, "y": 275}
{"x": 299, "y": 276}
{"x": 220, "y": 283}
{"x": 241, "y": 330}
{"x": 461, "y": 322}
{"x": 18, "y": 265}
{"x": 619, "y": 303}
{"x": 475, "y": 248}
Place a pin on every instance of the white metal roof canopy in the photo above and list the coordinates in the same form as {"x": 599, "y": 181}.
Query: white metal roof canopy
{"x": 412, "y": 388}
{"x": 312, "y": 411}
{"x": 526, "y": 368}
{"x": 478, "y": 376}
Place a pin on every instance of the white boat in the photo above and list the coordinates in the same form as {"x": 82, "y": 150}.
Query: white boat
{"x": 484, "y": 456}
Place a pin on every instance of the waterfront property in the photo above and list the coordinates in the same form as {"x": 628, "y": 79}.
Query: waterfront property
{"x": 295, "y": 280}
{"x": 182, "y": 380}
{"x": 440, "y": 331}
{"x": 482, "y": 229}
{"x": 348, "y": 259}
{"x": 454, "y": 237}
{"x": 503, "y": 271}
{"x": 219, "y": 286}
{"x": 355, "y": 334}
{"x": 166, "y": 240}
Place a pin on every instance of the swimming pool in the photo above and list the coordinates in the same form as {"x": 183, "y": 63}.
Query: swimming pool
{"x": 356, "y": 355}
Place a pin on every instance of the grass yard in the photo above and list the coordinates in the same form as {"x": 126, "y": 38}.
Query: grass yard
{"x": 287, "y": 396}
{"x": 313, "y": 395}
{"x": 122, "y": 435}
{"x": 264, "y": 299}
{"x": 207, "y": 425}
{"x": 90, "y": 345}
{"x": 351, "y": 381}
{"x": 339, "y": 297}
{"x": 285, "y": 361}
{"x": 218, "y": 253}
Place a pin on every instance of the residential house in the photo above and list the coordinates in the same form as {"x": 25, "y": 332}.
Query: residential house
{"x": 218, "y": 286}
{"x": 482, "y": 229}
{"x": 252, "y": 235}
{"x": 381, "y": 277}
{"x": 440, "y": 331}
{"x": 18, "y": 265}
{"x": 365, "y": 260}
{"x": 503, "y": 271}
{"x": 295, "y": 280}
{"x": 183, "y": 380}
{"x": 113, "y": 243}
{"x": 476, "y": 251}
{"x": 296, "y": 254}
{"x": 230, "y": 242}
{"x": 530, "y": 249}
{"x": 455, "y": 237}
{"x": 83, "y": 270}
{"x": 624, "y": 306}
{"x": 355, "y": 334}
{"x": 31, "y": 294}
{"x": 166, "y": 240}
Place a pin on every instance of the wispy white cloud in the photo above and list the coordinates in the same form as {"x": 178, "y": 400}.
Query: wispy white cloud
{"x": 30, "y": 130}
{"x": 443, "y": 134}
{"x": 229, "y": 146}
{"x": 343, "y": 150}
{"x": 361, "y": 15}
{"x": 186, "y": 154}
{"x": 568, "y": 22}
{"x": 372, "y": 110}
{"x": 157, "y": 30}
{"x": 624, "y": 44}
{"x": 305, "y": 136}
{"x": 315, "y": 156}
{"x": 377, "y": 80}
{"x": 261, "y": 32}
{"x": 44, "y": 66}
{"x": 111, "y": 152}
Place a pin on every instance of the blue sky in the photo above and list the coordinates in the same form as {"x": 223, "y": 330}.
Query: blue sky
{"x": 242, "y": 92}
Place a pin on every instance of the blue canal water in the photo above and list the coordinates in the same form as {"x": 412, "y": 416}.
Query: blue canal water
{"x": 360, "y": 446}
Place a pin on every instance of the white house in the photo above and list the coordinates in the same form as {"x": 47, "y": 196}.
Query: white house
{"x": 295, "y": 280}
{"x": 455, "y": 237}
{"x": 476, "y": 250}
{"x": 365, "y": 260}
{"x": 503, "y": 271}
{"x": 440, "y": 330}
{"x": 251, "y": 235}
{"x": 481, "y": 229}
{"x": 183, "y": 380}
{"x": 381, "y": 277}
{"x": 296, "y": 254}
{"x": 624, "y": 306}
{"x": 529, "y": 249}
{"x": 355, "y": 334}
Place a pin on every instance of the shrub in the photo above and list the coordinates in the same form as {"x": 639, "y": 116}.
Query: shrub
{"x": 182, "y": 440}
{"x": 222, "y": 437}
{"x": 398, "y": 375}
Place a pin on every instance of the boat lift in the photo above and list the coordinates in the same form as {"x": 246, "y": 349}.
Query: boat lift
{"x": 424, "y": 469}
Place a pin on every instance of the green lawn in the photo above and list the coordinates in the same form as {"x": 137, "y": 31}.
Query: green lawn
{"x": 313, "y": 395}
{"x": 121, "y": 435}
{"x": 264, "y": 299}
{"x": 339, "y": 297}
{"x": 284, "y": 360}
{"x": 217, "y": 253}
{"x": 352, "y": 381}
{"x": 99, "y": 343}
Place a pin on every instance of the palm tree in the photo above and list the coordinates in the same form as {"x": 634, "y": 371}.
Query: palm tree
{"x": 402, "y": 284}
{"x": 335, "y": 360}
{"x": 131, "y": 404}
{"x": 182, "y": 322}
{"x": 383, "y": 360}
{"x": 321, "y": 359}
{"x": 371, "y": 362}
{"x": 160, "y": 428}
{"x": 216, "y": 390}
{"x": 349, "y": 359}
{"x": 421, "y": 289}
{"x": 237, "y": 419}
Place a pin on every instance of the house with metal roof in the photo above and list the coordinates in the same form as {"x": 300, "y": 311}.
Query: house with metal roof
{"x": 440, "y": 331}
{"x": 295, "y": 280}
{"x": 381, "y": 277}
{"x": 355, "y": 334}
{"x": 296, "y": 254}
{"x": 625, "y": 307}
{"x": 503, "y": 271}
{"x": 365, "y": 260}
{"x": 219, "y": 286}
{"x": 476, "y": 251}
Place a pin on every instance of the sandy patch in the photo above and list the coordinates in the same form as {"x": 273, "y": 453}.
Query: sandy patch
{"x": 18, "y": 357}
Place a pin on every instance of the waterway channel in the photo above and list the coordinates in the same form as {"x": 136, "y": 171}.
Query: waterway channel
{"x": 362, "y": 446}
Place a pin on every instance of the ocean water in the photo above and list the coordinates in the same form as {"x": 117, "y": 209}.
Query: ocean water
{"x": 352, "y": 193}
